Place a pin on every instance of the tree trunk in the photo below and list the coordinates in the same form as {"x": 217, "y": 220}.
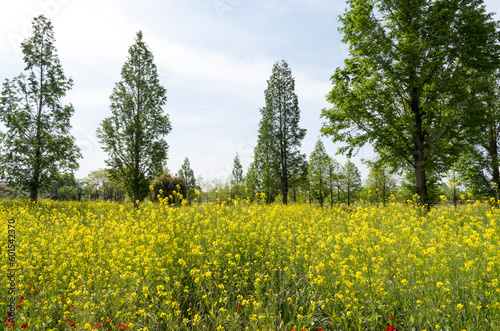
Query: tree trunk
{"x": 285, "y": 191}
{"x": 494, "y": 157}
{"x": 420, "y": 174}
{"x": 33, "y": 193}
{"x": 331, "y": 196}
{"x": 419, "y": 150}
{"x": 384, "y": 193}
{"x": 284, "y": 175}
{"x": 348, "y": 194}
{"x": 320, "y": 193}
{"x": 136, "y": 198}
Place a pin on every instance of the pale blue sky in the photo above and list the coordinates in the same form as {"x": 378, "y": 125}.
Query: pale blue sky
{"x": 213, "y": 56}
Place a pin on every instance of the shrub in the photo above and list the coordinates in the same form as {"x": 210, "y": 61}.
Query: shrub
{"x": 168, "y": 184}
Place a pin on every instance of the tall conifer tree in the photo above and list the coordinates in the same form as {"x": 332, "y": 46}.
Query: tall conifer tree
{"x": 133, "y": 135}
{"x": 280, "y": 137}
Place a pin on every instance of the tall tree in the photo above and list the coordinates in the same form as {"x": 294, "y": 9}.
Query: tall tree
{"x": 237, "y": 173}
{"x": 403, "y": 86}
{"x": 352, "y": 181}
{"x": 334, "y": 179}
{"x": 318, "y": 171}
{"x": 37, "y": 144}
{"x": 133, "y": 135}
{"x": 188, "y": 174}
{"x": 237, "y": 177}
{"x": 279, "y": 134}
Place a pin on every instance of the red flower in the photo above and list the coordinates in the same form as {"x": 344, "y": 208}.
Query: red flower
{"x": 391, "y": 328}
{"x": 21, "y": 298}
{"x": 72, "y": 324}
{"x": 24, "y": 326}
{"x": 73, "y": 308}
{"x": 305, "y": 281}
{"x": 108, "y": 320}
{"x": 12, "y": 325}
{"x": 7, "y": 322}
{"x": 391, "y": 317}
{"x": 321, "y": 329}
{"x": 8, "y": 315}
{"x": 18, "y": 305}
{"x": 123, "y": 326}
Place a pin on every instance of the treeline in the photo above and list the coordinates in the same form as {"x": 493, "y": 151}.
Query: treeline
{"x": 421, "y": 86}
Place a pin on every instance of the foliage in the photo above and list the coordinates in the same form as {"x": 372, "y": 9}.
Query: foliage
{"x": 166, "y": 186}
{"x": 37, "y": 144}
{"x": 252, "y": 181}
{"x": 133, "y": 135}
{"x": 334, "y": 180}
{"x": 253, "y": 266}
{"x": 188, "y": 174}
{"x": 404, "y": 86}
{"x": 351, "y": 181}
{"x": 277, "y": 153}
{"x": 319, "y": 162}
{"x": 479, "y": 165}
{"x": 72, "y": 188}
{"x": 298, "y": 183}
{"x": 263, "y": 174}
{"x": 100, "y": 185}
{"x": 67, "y": 192}
{"x": 408, "y": 189}
{"x": 237, "y": 172}
{"x": 381, "y": 181}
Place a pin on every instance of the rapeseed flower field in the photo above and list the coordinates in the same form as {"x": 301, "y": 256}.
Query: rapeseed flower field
{"x": 248, "y": 266}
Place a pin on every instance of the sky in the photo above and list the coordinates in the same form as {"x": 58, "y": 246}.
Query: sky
{"x": 214, "y": 57}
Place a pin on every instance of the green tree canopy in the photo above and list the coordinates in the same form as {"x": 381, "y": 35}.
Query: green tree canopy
{"x": 403, "y": 87}
{"x": 37, "y": 144}
{"x": 134, "y": 135}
